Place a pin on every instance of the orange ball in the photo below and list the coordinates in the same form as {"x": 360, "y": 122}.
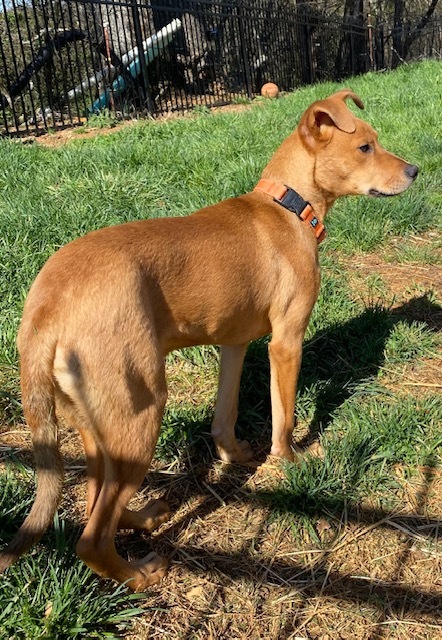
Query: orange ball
{"x": 269, "y": 90}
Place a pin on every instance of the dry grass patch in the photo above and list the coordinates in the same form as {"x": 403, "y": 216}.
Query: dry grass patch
{"x": 237, "y": 571}
{"x": 373, "y": 278}
{"x": 415, "y": 377}
{"x": 190, "y": 383}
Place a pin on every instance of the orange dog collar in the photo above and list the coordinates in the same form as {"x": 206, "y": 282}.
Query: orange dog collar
{"x": 291, "y": 200}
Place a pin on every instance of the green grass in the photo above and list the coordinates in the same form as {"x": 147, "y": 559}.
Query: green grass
{"x": 370, "y": 432}
{"x": 50, "y": 593}
{"x": 48, "y": 196}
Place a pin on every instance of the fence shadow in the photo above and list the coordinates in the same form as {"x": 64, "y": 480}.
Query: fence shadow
{"x": 323, "y": 579}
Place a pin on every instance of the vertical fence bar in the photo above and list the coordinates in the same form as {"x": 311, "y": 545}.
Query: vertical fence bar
{"x": 14, "y": 63}
{"x": 33, "y": 56}
{"x": 3, "y": 99}
{"x": 145, "y": 91}
{"x": 244, "y": 50}
{"x": 52, "y": 15}
{"x": 33, "y": 109}
{"x": 79, "y": 56}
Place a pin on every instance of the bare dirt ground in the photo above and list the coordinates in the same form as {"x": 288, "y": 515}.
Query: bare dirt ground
{"x": 83, "y": 131}
{"x": 238, "y": 572}
{"x": 409, "y": 289}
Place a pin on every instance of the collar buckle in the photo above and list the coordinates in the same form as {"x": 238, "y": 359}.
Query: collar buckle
{"x": 291, "y": 200}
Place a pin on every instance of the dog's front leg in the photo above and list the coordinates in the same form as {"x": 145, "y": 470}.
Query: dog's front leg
{"x": 285, "y": 356}
{"x": 228, "y": 447}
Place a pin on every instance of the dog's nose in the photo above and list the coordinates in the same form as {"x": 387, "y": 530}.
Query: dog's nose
{"x": 411, "y": 171}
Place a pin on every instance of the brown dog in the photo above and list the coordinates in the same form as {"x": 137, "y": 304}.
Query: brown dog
{"x": 106, "y": 309}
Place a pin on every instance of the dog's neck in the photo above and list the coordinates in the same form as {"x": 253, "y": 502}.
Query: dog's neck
{"x": 292, "y": 201}
{"x": 294, "y": 166}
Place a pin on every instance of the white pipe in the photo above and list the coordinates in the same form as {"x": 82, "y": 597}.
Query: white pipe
{"x": 153, "y": 45}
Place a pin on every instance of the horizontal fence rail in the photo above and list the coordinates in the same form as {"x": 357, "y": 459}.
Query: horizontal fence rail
{"x": 62, "y": 61}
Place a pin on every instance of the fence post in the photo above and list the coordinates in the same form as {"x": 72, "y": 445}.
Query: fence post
{"x": 142, "y": 61}
{"x": 370, "y": 37}
{"x": 5, "y": 100}
{"x": 244, "y": 51}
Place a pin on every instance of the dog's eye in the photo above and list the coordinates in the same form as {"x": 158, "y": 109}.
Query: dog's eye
{"x": 365, "y": 148}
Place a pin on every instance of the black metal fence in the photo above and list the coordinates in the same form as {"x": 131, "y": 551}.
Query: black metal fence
{"x": 63, "y": 60}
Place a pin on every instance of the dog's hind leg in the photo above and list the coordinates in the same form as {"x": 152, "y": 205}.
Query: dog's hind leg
{"x": 95, "y": 468}
{"x": 154, "y": 513}
{"x": 124, "y": 470}
{"x": 119, "y": 421}
{"x": 228, "y": 447}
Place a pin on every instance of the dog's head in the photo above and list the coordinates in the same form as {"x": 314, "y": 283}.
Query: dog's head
{"x": 348, "y": 157}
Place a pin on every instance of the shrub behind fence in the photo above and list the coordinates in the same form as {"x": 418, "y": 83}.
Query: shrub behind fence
{"x": 64, "y": 60}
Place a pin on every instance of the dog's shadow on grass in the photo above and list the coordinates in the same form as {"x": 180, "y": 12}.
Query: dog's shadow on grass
{"x": 335, "y": 362}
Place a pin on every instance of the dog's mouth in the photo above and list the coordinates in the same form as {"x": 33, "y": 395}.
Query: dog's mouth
{"x": 374, "y": 193}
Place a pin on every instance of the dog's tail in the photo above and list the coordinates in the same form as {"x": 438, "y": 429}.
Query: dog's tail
{"x": 39, "y": 408}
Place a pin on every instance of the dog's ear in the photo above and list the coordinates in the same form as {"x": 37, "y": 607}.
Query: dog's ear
{"x": 332, "y": 112}
{"x": 343, "y": 94}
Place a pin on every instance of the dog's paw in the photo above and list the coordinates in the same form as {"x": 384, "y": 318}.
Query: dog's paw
{"x": 316, "y": 450}
{"x": 289, "y": 453}
{"x": 294, "y": 453}
{"x": 241, "y": 452}
{"x": 148, "y": 571}
{"x": 149, "y": 517}
{"x": 155, "y": 513}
